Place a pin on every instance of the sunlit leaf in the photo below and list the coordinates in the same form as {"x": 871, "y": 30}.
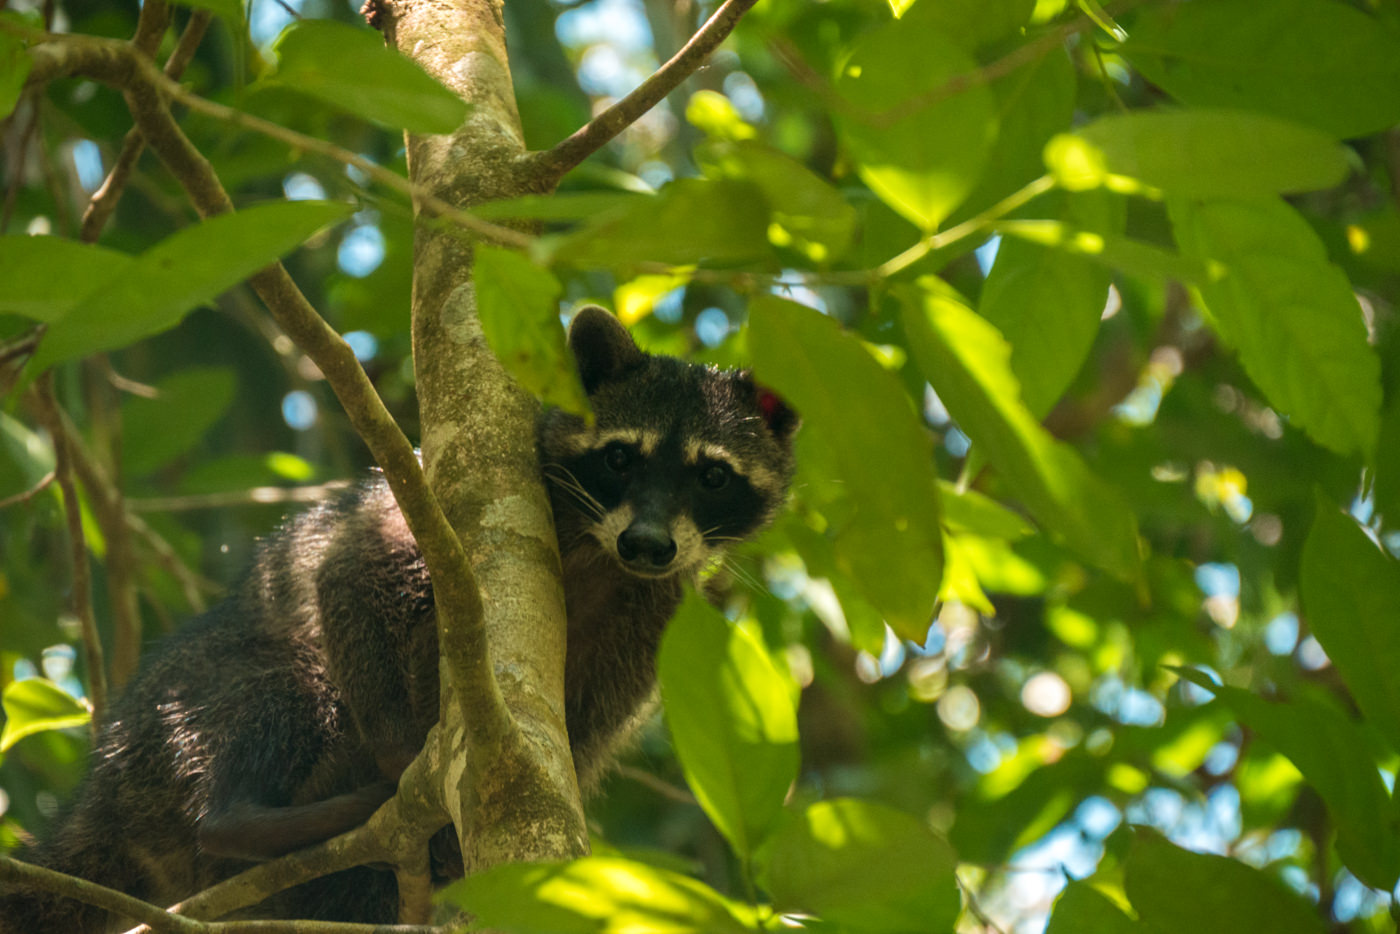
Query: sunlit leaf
{"x": 45, "y": 277}
{"x": 1351, "y": 593}
{"x": 1134, "y": 257}
{"x": 893, "y": 83}
{"x": 518, "y": 303}
{"x": 230, "y": 10}
{"x": 34, "y": 705}
{"x": 1047, "y": 304}
{"x": 862, "y": 864}
{"x": 968, "y": 362}
{"x": 181, "y": 272}
{"x": 1331, "y": 752}
{"x": 595, "y": 895}
{"x": 1197, "y": 154}
{"x": 1289, "y": 313}
{"x": 1225, "y": 895}
{"x": 860, "y": 421}
{"x": 690, "y": 221}
{"x": 350, "y": 67}
{"x": 970, "y": 511}
{"x": 732, "y": 719}
{"x": 808, "y": 213}
{"x": 1319, "y": 62}
{"x": 189, "y": 402}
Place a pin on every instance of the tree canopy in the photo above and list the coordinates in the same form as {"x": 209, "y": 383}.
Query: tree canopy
{"x": 1084, "y": 614}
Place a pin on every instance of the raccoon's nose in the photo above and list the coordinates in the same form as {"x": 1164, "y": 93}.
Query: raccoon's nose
{"x": 646, "y": 543}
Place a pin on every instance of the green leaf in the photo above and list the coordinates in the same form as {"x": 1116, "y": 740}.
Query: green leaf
{"x": 349, "y": 67}
{"x": 189, "y": 402}
{"x": 560, "y": 206}
{"x": 972, "y": 23}
{"x": 34, "y": 705}
{"x": 865, "y": 865}
{"x": 1083, "y": 909}
{"x": 1330, "y": 751}
{"x": 1197, "y": 154}
{"x": 14, "y": 69}
{"x": 181, "y": 272}
{"x": 893, "y": 87}
{"x": 733, "y": 721}
{"x": 1351, "y": 593}
{"x": 1289, "y": 313}
{"x": 45, "y": 277}
{"x": 862, "y": 424}
{"x": 594, "y": 895}
{"x": 1387, "y": 464}
{"x": 970, "y": 511}
{"x": 968, "y": 362}
{"x": 690, "y": 221}
{"x": 31, "y": 452}
{"x": 808, "y": 213}
{"x": 1047, "y": 304}
{"x": 231, "y": 11}
{"x": 1134, "y": 257}
{"x": 519, "y": 307}
{"x": 1314, "y": 61}
{"x": 1177, "y": 890}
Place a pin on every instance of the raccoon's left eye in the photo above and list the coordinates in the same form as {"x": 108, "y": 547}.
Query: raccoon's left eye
{"x": 715, "y": 477}
{"x": 617, "y": 458}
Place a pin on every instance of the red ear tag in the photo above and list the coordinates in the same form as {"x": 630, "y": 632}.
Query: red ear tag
{"x": 770, "y": 403}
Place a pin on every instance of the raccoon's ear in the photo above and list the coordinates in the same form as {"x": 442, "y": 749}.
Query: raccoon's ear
{"x": 782, "y": 420}
{"x": 602, "y": 347}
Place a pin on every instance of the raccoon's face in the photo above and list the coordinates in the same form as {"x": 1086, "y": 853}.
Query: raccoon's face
{"x": 682, "y": 460}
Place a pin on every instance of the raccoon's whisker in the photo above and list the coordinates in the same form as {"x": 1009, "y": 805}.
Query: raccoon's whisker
{"x": 744, "y": 575}
{"x": 561, "y": 475}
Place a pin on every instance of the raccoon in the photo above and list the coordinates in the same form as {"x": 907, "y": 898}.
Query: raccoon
{"x": 285, "y": 714}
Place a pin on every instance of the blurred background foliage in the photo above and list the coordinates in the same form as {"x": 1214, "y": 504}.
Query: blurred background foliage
{"x": 1012, "y": 635}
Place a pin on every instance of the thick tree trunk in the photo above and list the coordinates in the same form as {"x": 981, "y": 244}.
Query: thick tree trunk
{"x": 512, "y": 793}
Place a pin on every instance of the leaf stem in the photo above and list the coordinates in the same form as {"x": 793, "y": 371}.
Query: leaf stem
{"x": 966, "y": 229}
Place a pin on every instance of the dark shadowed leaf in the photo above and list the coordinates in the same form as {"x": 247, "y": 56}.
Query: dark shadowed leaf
{"x": 1083, "y": 909}
{"x": 1351, "y": 593}
{"x": 595, "y": 895}
{"x": 154, "y": 431}
{"x": 865, "y": 865}
{"x": 1198, "y": 154}
{"x": 1177, "y": 890}
{"x": 14, "y": 68}
{"x": 968, "y": 362}
{"x": 180, "y": 273}
{"x": 971, "y": 23}
{"x": 45, "y": 277}
{"x": 35, "y": 705}
{"x": 349, "y": 67}
{"x": 519, "y": 307}
{"x": 733, "y": 721}
{"x": 865, "y": 428}
{"x": 1290, "y": 314}
{"x": 892, "y": 83}
{"x": 1315, "y": 61}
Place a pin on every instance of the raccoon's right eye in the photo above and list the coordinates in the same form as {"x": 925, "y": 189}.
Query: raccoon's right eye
{"x": 617, "y": 458}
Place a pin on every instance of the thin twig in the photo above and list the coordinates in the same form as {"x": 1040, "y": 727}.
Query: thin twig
{"x": 663, "y": 788}
{"x": 975, "y": 908}
{"x": 90, "y": 893}
{"x": 52, "y": 418}
{"x": 591, "y": 137}
{"x": 255, "y": 496}
{"x": 104, "y": 200}
{"x": 33, "y": 491}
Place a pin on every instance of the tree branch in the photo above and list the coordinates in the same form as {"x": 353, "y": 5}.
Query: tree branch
{"x": 51, "y": 416}
{"x": 591, "y": 137}
{"x": 104, "y": 200}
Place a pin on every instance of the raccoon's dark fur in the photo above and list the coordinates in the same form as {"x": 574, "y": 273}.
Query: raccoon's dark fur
{"x": 283, "y": 715}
